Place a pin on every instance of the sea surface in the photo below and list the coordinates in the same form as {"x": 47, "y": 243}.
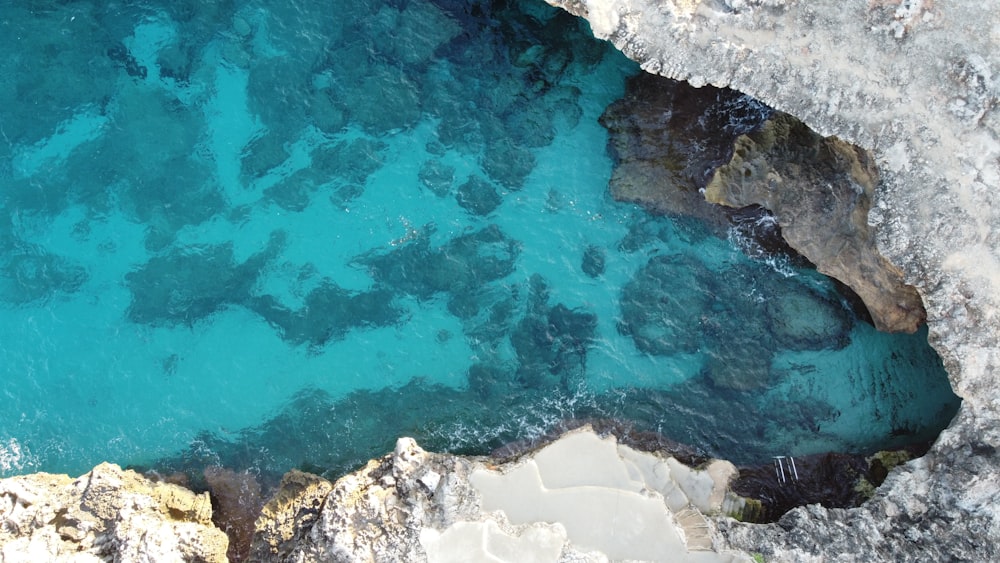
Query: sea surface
{"x": 274, "y": 234}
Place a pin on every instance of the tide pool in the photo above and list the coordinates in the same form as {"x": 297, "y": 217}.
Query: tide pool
{"x": 278, "y": 234}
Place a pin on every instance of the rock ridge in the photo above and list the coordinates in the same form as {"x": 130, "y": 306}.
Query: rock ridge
{"x": 579, "y": 498}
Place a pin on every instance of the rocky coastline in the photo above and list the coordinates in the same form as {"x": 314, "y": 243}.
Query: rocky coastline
{"x": 582, "y": 497}
{"x": 914, "y": 84}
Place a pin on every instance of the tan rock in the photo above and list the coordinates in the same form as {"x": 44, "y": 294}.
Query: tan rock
{"x": 107, "y": 513}
{"x": 290, "y": 513}
{"x": 820, "y": 190}
{"x": 666, "y": 137}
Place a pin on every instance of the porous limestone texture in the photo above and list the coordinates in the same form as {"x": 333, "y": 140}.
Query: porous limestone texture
{"x": 916, "y": 83}
{"x": 105, "y": 515}
{"x": 580, "y": 498}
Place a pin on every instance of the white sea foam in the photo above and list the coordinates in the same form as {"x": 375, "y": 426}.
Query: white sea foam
{"x": 13, "y": 457}
{"x": 747, "y": 245}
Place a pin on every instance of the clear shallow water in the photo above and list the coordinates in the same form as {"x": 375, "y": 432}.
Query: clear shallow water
{"x": 276, "y": 234}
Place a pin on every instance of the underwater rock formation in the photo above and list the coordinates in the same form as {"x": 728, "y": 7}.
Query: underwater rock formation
{"x": 915, "y": 83}
{"x": 187, "y": 284}
{"x": 328, "y": 313}
{"x": 29, "y": 273}
{"x": 737, "y": 332}
{"x": 107, "y": 514}
{"x": 478, "y": 196}
{"x": 820, "y": 191}
{"x": 337, "y": 165}
{"x": 551, "y": 342}
{"x": 459, "y": 267}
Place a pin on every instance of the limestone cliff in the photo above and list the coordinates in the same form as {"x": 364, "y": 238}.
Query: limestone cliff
{"x": 107, "y": 514}
{"x": 914, "y": 83}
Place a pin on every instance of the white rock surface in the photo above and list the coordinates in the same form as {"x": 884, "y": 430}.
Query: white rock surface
{"x": 611, "y": 499}
{"x": 487, "y": 542}
{"x": 581, "y": 498}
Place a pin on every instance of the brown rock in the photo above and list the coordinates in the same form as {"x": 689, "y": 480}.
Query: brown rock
{"x": 820, "y": 191}
{"x": 667, "y": 137}
{"x": 289, "y": 515}
{"x": 238, "y": 502}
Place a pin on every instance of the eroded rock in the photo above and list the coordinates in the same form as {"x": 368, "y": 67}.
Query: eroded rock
{"x": 374, "y": 514}
{"x": 554, "y": 504}
{"x": 107, "y": 514}
{"x": 666, "y": 139}
{"x": 820, "y": 190}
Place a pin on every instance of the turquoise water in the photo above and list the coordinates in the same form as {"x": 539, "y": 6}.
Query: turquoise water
{"x": 279, "y": 234}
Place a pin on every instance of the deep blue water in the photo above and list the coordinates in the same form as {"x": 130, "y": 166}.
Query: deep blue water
{"x": 281, "y": 234}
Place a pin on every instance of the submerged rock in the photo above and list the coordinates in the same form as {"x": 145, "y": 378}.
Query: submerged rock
{"x": 29, "y": 273}
{"x": 345, "y": 164}
{"x": 657, "y": 302}
{"x": 437, "y": 177}
{"x": 478, "y": 196}
{"x": 676, "y": 304}
{"x": 507, "y": 163}
{"x": 187, "y": 284}
{"x": 107, "y": 514}
{"x": 593, "y": 263}
{"x": 551, "y": 342}
{"x": 328, "y": 313}
{"x": 820, "y": 190}
{"x": 460, "y": 268}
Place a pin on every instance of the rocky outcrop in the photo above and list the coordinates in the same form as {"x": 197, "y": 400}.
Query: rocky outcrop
{"x": 676, "y": 146}
{"x": 580, "y": 498}
{"x": 916, "y": 84}
{"x": 374, "y": 514}
{"x": 107, "y": 514}
{"x": 666, "y": 138}
{"x": 820, "y": 191}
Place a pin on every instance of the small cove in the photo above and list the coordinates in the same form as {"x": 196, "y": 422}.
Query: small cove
{"x": 265, "y": 235}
